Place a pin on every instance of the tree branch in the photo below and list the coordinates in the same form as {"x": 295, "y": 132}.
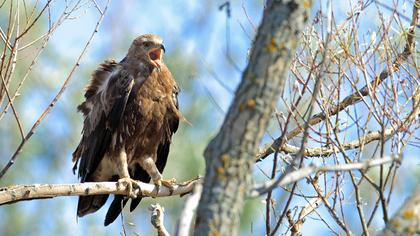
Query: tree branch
{"x": 185, "y": 219}
{"x": 57, "y": 96}
{"x": 18, "y": 193}
{"x": 293, "y": 176}
{"x": 158, "y": 215}
{"x": 356, "y": 96}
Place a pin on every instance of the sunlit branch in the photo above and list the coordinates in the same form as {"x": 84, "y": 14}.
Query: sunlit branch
{"x": 303, "y": 172}
{"x": 157, "y": 218}
{"x": 18, "y": 193}
{"x": 186, "y": 218}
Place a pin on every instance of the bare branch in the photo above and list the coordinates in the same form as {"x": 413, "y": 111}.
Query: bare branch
{"x": 18, "y": 193}
{"x": 303, "y": 172}
{"x": 97, "y": 6}
{"x": 55, "y": 99}
{"x": 46, "y": 37}
{"x": 158, "y": 215}
{"x": 359, "y": 94}
{"x": 4, "y": 39}
{"x": 330, "y": 208}
{"x": 185, "y": 219}
{"x": 308, "y": 209}
{"x": 328, "y": 151}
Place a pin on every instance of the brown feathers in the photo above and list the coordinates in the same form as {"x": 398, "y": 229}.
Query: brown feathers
{"x": 131, "y": 112}
{"x": 98, "y": 81}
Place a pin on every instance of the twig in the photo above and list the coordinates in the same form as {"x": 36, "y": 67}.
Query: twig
{"x": 3, "y": 38}
{"x": 13, "y": 107}
{"x": 359, "y": 203}
{"x": 16, "y": 193}
{"x": 64, "y": 16}
{"x": 97, "y": 6}
{"x": 357, "y": 143}
{"x": 54, "y": 101}
{"x": 330, "y": 208}
{"x": 157, "y": 219}
{"x": 308, "y": 209}
{"x": 319, "y": 72}
{"x": 34, "y": 21}
{"x": 295, "y": 231}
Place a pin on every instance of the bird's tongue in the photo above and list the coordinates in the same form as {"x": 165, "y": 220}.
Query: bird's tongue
{"x": 156, "y": 56}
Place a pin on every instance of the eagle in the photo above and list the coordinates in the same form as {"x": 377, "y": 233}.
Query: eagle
{"x": 130, "y": 114}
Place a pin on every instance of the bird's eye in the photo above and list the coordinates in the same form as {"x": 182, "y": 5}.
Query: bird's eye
{"x": 147, "y": 44}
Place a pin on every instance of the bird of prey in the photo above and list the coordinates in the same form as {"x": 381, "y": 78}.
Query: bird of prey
{"x": 130, "y": 114}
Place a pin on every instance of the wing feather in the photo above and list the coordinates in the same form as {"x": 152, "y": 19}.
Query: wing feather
{"x": 106, "y": 98}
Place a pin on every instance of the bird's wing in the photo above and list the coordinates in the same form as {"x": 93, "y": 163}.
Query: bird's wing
{"x": 106, "y": 98}
{"x": 163, "y": 149}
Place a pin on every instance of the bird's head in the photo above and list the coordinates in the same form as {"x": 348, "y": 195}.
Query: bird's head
{"x": 149, "y": 49}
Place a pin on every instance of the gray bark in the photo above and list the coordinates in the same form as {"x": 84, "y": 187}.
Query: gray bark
{"x": 407, "y": 220}
{"x": 231, "y": 154}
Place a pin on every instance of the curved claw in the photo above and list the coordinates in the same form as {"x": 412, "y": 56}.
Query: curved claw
{"x": 169, "y": 183}
{"x": 131, "y": 185}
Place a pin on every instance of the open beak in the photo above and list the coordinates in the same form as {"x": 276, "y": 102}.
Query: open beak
{"x": 156, "y": 55}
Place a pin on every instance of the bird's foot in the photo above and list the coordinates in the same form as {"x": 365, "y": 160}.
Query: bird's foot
{"x": 131, "y": 185}
{"x": 169, "y": 183}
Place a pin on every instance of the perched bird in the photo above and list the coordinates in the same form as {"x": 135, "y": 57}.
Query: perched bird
{"x": 130, "y": 114}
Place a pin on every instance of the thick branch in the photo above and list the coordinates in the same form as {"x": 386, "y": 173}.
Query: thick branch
{"x": 230, "y": 155}
{"x": 17, "y": 193}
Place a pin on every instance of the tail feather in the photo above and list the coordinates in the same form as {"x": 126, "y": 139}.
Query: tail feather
{"x": 134, "y": 203}
{"x": 120, "y": 201}
{"x": 115, "y": 209}
{"x": 90, "y": 204}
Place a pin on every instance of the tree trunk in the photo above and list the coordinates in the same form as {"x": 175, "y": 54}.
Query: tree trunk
{"x": 231, "y": 154}
{"x": 407, "y": 220}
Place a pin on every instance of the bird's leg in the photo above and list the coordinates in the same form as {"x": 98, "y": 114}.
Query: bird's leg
{"x": 125, "y": 179}
{"x": 149, "y": 165}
